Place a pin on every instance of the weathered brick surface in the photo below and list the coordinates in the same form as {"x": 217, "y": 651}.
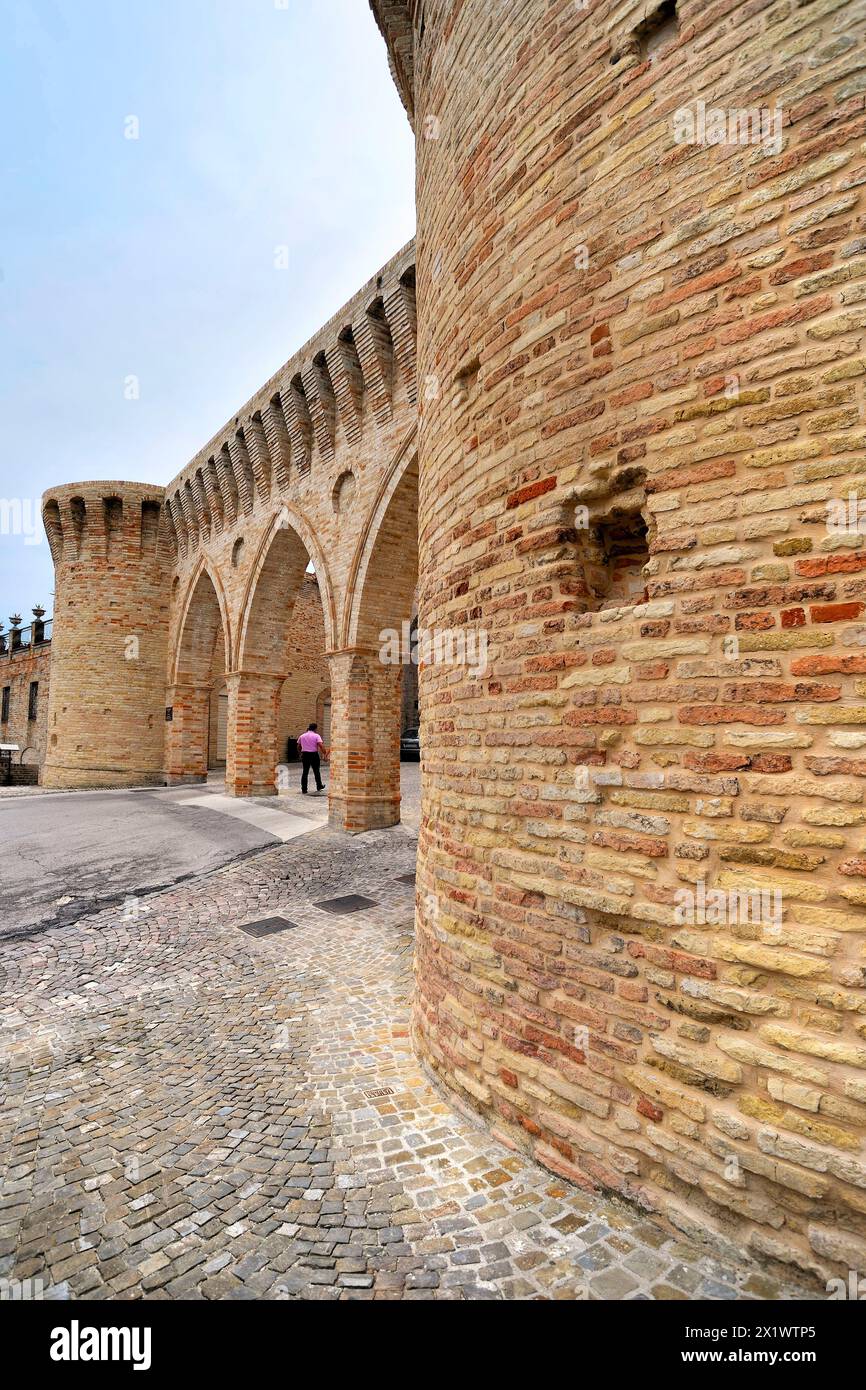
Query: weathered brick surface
{"x": 679, "y": 329}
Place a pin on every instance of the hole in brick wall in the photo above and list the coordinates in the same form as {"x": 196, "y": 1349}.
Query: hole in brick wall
{"x": 237, "y": 551}
{"x": 466, "y": 379}
{"x": 613, "y": 551}
{"x": 659, "y": 28}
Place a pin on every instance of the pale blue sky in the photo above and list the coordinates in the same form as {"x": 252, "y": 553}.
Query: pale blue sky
{"x": 262, "y": 124}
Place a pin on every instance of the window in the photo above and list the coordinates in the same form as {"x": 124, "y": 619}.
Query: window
{"x": 33, "y": 700}
{"x": 4, "y": 712}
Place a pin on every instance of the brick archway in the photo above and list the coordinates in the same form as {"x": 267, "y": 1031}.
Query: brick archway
{"x": 263, "y": 664}
{"x": 360, "y": 595}
{"x": 287, "y": 521}
{"x": 366, "y": 677}
{"x": 201, "y": 659}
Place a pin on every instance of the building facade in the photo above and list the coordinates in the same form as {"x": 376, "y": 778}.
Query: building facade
{"x": 25, "y": 672}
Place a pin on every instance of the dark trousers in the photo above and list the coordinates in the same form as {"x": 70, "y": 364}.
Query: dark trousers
{"x": 311, "y": 760}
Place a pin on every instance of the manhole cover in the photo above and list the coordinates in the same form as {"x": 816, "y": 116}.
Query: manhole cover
{"x": 267, "y": 926}
{"x": 406, "y": 878}
{"x": 352, "y": 902}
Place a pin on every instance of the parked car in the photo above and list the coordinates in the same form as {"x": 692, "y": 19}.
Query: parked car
{"x": 410, "y": 745}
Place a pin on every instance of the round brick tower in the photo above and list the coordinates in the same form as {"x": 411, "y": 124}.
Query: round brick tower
{"x": 636, "y": 232}
{"x": 106, "y": 708}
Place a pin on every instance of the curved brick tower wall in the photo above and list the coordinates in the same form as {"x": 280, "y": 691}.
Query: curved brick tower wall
{"x": 613, "y": 320}
{"x": 106, "y": 713}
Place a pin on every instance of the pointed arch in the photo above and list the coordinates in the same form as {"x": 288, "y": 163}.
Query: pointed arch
{"x": 204, "y": 614}
{"x": 386, "y": 557}
{"x": 288, "y": 543}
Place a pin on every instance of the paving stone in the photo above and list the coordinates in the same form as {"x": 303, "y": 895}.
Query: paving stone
{"x": 220, "y": 1163}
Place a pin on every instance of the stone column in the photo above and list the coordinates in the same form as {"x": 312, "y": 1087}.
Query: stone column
{"x": 365, "y": 741}
{"x": 187, "y": 734}
{"x": 252, "y": 753}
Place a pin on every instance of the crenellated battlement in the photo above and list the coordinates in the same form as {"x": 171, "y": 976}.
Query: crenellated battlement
{"x": 105, "y": 520}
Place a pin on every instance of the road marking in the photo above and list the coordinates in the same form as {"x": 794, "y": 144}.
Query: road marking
{"x": 281, "y": 824}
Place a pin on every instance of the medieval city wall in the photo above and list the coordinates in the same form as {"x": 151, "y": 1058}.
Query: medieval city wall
{"x": 163, "y": 594}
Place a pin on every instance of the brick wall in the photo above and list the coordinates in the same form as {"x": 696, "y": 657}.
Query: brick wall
{"x": 319, "y": 465}
{"x": 617, "y": 324}
{"x": 106, "y": 720}
{"x": 302, "y": 697}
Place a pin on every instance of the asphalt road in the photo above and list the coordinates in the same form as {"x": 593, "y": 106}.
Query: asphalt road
{"x": 64, "y": 854}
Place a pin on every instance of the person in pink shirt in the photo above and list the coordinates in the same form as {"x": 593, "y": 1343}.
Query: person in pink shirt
{"x": 311, "y": 746}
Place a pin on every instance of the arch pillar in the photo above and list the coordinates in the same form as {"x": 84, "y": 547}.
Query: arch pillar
{"x": 251, "y": 759}
{"x": 365, "y": 740}
{"x": 186, "y": 738}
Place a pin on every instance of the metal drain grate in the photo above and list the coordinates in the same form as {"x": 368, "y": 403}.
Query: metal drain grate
{"x": 352, "y": 902}
{"x": 381, "y": 1091}
{"x": 267, "y": 926}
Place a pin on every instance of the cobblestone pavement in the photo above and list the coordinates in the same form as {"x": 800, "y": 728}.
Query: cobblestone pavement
{"x": 193, "y": 1112}
{"x": 69, "y": 854}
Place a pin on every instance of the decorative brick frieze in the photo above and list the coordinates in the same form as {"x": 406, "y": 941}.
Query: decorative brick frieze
{"x": 376, "y": 355}
{"x": 215, "y": 503}
{"x": 257, "y": 450}
{"x": 401, "y": 314}
{"x": 277, "y": 436}
{"x": 319, "y": 394}
{"x": 243, "y": 472}
{"x": 344, "y": 368}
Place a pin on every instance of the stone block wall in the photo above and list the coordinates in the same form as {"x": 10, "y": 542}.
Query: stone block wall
{"x": 627, "y": 328}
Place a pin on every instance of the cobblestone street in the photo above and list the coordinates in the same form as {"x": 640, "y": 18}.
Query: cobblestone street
{"x": 193, "y": 1112}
